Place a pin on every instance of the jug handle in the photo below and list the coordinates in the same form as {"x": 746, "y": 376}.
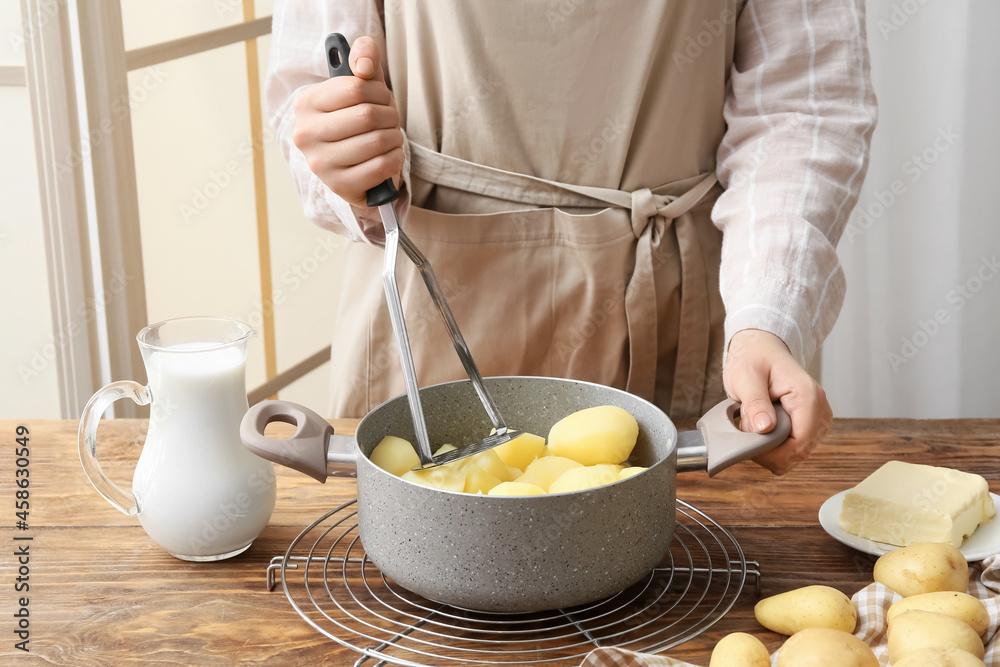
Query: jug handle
{"x": 87, "y": 440}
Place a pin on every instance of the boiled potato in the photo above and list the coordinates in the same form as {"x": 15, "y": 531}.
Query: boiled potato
{"x": 601, "y": 438}
{"x": 585, "y": 477}
{"x": 739, "y": 649}
{"x": 478, "y": 480}
{"x": 516, "y": 489}
{"x": 823, "y": 647}
{"x": 543, "y": 471}
{"x": 603, "y": 434}
{"x": 962, "y": 606}
{"x": 488, "y": 461}
{"x": 808, "y": 607}
{"x": 521, "y": 451}
{"x": 449, "y": 448}
{"x": 916, "y": 629}
{"x": 446, "y": 478}
{"x": 939, "y": 657}
{"x": 924, "y": 567}
{"x": 628, "y": 472}
{"x": 395, "y": 455}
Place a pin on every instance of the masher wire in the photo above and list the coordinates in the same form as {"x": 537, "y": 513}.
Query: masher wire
{"x": 656, "y": 614}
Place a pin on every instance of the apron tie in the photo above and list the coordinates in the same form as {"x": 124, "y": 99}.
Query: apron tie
{"x": 650, "y": 215}
{"x": 645, "y": 207}
{"x": 640, "y": 295}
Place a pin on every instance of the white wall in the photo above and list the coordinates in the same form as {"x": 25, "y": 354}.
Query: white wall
{"x": 28, "y": 380}
{"x": 918, "y": 335}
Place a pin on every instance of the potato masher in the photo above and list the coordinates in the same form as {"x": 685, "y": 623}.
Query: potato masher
{"x": 382, "y": 196}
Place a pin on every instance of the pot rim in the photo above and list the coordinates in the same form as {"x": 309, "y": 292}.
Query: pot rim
{"x": 363, "y": 459}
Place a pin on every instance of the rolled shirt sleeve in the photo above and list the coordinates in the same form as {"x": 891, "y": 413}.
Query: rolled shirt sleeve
{"x": 800, "y": 112}
{"x": 297, "y": 60}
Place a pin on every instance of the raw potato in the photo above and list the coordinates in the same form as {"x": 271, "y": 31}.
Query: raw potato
{"x": 628, "y": 472}
{"x": 395, "y": 455}
{"x": 585, "y": 477}
{"x": 516, "y": 489}
{"x": 915, "y": 629}
{"x": 521, "y": 451}
{"x": 823, "y": 647}
{"x": 604, "y": 434}
{"x": 739, "y": 649}
{"x": 543, "y": 471}
{"x": 962, "y": 606}
{"x": 809, "y": 607}
{"x": 924, "y": 567}
{"x": 939, "y": 657}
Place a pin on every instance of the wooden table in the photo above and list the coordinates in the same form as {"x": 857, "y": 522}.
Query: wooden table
{"x": 102, "y": 593}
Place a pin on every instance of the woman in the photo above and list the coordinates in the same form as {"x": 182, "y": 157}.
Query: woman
{"x": 645, "y": 195}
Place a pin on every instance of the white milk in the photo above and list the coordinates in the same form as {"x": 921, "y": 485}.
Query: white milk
{"x": 201, "y": 493}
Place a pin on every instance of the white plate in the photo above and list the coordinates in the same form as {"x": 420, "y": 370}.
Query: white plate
{"x": 985, "y": 541}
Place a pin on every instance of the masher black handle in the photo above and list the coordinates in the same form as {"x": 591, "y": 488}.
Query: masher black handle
{"x": 338, "y": 51}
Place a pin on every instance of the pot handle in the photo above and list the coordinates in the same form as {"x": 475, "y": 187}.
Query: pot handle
{"x": 718, "y": 443}
{"x": 307, "y": 451}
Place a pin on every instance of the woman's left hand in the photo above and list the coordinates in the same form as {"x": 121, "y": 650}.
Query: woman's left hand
{"x": 760, "y": 369}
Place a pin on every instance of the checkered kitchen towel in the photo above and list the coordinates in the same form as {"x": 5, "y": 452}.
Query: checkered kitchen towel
{"x": 872, "y": 603}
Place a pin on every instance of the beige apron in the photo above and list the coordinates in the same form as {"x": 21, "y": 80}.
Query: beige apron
{"x": 562, "y": 179}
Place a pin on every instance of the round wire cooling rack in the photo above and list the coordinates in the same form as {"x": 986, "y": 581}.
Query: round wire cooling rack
{"x": 339, "y": 592}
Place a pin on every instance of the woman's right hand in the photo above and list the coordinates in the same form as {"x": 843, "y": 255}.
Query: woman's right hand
{"x": 348, "y": 127}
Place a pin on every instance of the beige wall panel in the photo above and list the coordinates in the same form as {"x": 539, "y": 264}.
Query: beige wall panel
{"x": 13, "y": 30}
{"x": 195, "y": 181}
{"x": 153, "y": 21}
{"x": 306, "y": 267}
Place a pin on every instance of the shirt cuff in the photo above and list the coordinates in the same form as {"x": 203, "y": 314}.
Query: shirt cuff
{"x": 782, "y": 313}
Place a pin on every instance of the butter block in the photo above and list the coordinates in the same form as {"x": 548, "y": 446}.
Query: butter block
{"x": 902, "y": 503}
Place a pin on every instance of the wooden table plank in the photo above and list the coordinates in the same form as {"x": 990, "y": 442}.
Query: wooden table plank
{"x": 103, "y": 593}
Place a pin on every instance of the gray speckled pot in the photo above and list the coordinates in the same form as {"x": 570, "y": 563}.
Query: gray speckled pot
{"x": 516, "y": 553}
{"x": 507, "y": 554}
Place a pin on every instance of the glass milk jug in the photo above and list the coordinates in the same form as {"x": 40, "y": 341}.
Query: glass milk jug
{"x": 197, "y": 491}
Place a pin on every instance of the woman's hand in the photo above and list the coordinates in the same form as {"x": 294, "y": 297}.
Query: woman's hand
{"x": 760, "y": 369}
{"x": 348, "y": 127}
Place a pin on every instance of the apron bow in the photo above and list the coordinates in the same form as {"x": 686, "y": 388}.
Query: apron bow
{"x": 650, "y": 213}
{"x": 645, "y": 207}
